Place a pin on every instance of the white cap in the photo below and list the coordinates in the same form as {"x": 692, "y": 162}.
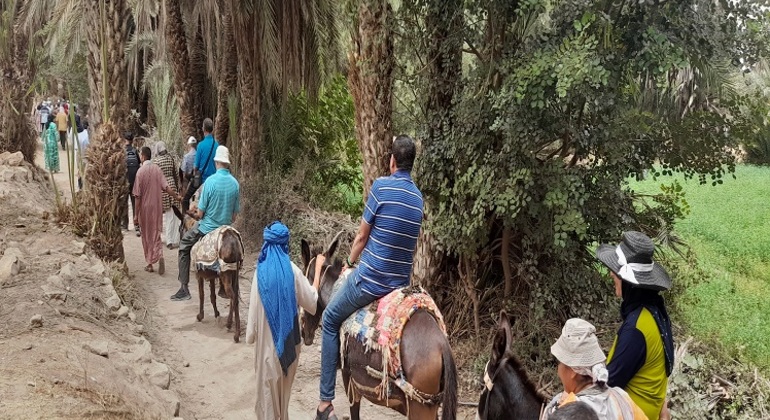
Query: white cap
{"x": 192, "y": 140}
{"x": 222, "y": 155}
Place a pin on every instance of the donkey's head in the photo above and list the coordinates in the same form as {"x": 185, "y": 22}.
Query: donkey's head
{"x": 330, "y": 272}
{"x": 508, "y": 392}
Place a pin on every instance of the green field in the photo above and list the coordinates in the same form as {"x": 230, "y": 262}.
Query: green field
{"x": 729, "y": 230}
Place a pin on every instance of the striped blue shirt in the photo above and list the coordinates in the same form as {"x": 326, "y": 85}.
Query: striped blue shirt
{"x": 220, "y": 198}
{"x": 394, "y": 211}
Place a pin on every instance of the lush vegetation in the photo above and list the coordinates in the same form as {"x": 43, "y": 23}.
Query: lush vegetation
{"x": 728, "y": 290}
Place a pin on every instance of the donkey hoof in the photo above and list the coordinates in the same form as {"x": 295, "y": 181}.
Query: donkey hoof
{"x": 237, "y": 338}
{"x": 200, "y": 317}
{"x": 216, "y": 314}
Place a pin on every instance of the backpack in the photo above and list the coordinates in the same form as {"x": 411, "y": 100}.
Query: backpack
{"x": 132, "y": 159}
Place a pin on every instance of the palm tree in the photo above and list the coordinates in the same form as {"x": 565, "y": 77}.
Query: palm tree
{"x": 370, "y": 78}
{"x": 176, "y": 43}
{"x": 17, "y": 74}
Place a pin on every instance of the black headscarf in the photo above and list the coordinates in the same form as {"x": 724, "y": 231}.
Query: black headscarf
{"x": 635, "y": 298}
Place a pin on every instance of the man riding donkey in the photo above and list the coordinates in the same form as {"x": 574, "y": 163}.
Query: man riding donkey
{"x": 385, "y": 243}
{"x": 279, "y": 286}
{"x": 219, "y": 205}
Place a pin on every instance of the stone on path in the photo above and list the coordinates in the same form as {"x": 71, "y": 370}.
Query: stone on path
{"x": 36, "y": 321}
{"x": 113, "y": 302}
{"x": 159, "y": 374}
{"x": 123, "y": 311}
{"x": 56, "y": 282}
{"x": 99, "y": 348}
{"x": 10, "y": 265}
{"x": 11, "y": 159}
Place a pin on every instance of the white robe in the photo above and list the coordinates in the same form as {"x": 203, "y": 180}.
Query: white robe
{"x": 273, "y": 388}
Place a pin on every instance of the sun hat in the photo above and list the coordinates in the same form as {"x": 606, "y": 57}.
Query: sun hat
{"x": 192, "y": 140}
{"x": 222, "y": 155}
{"x": 578, "y": 346}
{"x": 632, "y": 261}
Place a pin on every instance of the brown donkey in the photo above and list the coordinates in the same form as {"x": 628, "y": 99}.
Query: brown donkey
{"x": 231, "y": 252}
{"x": 426, "y": 357}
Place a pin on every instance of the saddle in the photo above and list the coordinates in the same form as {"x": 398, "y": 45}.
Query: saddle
{"x": 205, "y": 253}
{"x": 379, "y": 327}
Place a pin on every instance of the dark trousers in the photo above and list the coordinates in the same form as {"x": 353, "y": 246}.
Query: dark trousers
{"x": 63, "y": 139}
{"x": 190, "y": 238}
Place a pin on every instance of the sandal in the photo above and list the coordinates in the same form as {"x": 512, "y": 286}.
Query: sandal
{"x": 326, "y": 414}
{"x": 149, "y": 269}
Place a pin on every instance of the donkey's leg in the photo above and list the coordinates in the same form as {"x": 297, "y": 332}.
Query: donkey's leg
{"x": 234, "y": 303}
{"x": 213, "y": 284}
{"x": 225, "y": 279}
{"x": 200, "y": 294}
{"x": 418, "y": 411}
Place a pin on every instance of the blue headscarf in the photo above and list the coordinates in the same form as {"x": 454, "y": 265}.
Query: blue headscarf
{"x": 276, "y": 289}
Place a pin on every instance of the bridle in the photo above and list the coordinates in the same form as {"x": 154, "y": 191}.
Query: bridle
{"x": 323, "y": 274}
{"x": 489, "y": 383}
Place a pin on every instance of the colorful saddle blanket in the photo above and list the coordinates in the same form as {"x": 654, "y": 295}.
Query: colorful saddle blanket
{"x": 205, "y": 253}
{"x": 379, "y": 326}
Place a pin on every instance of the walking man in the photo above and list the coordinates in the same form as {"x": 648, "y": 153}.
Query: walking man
{"x": 170, "y": 222}
{"x": 188, "y": 162}
{"x": 61, "y": 125}
{"x": 386, "y": 240}
{"x": 278, "y": 288}
{"x": 132, "y": 167}
{"x": 204, "y": 161}
{"x": 148, "y": 189}
{"x": 219, "y": 205}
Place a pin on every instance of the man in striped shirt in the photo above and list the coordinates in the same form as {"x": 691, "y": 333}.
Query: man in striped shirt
{"x": 385, "y": 243}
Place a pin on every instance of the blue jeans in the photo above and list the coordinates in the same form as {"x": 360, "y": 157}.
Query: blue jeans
{"x": 348, "y": 300}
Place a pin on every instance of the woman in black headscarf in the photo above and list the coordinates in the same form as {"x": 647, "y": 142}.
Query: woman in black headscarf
{"x": 642, "y": 356}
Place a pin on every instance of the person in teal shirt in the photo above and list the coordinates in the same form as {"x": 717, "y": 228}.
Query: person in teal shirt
{"x": 219, "y": 205}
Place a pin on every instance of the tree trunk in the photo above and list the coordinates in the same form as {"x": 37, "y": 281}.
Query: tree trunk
{"x": 444, "y": 23}
{"x": 371, "y": 84}
{"x": 180, "y": 64}
{"x": 228, "y": 78}
{"x": 108, "y": 35}
{"x": 17, "y": 133}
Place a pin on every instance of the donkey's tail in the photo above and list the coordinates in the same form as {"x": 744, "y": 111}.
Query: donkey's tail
{"x": 449, "y": 400}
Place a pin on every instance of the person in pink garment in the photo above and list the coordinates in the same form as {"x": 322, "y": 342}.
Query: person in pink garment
{"x": 148, "y": 189}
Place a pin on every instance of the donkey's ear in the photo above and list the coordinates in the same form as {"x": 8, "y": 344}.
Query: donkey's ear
{"x": 305, "y": 253}
{"x": 502, "y": 341}
{"x": 333, "y": 246}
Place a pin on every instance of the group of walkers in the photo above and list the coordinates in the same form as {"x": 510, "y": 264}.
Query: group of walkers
{"x": 630, "y": 383}
{"x": 55, "y": 126}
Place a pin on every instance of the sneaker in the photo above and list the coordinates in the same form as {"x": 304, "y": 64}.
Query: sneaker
{"x": 182, "y": 294}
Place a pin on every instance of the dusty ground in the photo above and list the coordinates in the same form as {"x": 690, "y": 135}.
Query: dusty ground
{"x": 56, "y": 370}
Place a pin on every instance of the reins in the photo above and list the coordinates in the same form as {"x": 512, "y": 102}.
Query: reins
{"x": 323, "y": 274}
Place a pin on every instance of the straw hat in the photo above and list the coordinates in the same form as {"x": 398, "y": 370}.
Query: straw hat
{"x": 578, "y": 345}
{"x": 632, "y": 261}
{"x": 222, "y": 155}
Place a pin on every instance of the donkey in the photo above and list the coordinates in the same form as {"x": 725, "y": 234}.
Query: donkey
{"x": 425, "y": 354}
{"x": 508, "y": 392}
{"x": 231, "y": 253}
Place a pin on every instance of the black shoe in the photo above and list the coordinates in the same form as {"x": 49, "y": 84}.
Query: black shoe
{"x": 182, "y": 294}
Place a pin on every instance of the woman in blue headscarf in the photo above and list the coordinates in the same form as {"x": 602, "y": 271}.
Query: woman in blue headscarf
{"x": 279, "y": 287}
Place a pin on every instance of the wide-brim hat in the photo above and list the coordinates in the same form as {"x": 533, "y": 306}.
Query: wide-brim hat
{"x": 631, "y": 260}
{"x": 578, "y": 346}
{"x": 222, "y": 155}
